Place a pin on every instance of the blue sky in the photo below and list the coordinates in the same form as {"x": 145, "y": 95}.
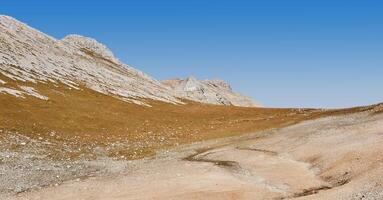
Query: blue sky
{"x": 283, "y": 53}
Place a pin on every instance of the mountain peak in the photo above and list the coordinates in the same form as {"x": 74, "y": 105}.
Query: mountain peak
{"x": 189, "y": 84}
{"x": 89, "y": 44}
{"x": 28, "y": 55}
{"x": 191, "y": 78}
{"x": 214, "y": 91}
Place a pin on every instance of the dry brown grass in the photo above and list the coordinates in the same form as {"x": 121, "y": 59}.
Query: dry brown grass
{"x": 86, "y": 117}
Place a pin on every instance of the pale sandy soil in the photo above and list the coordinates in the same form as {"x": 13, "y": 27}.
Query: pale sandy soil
{"x": 329, "y": 158}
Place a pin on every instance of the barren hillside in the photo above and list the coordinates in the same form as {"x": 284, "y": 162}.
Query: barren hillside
{"x": 28, "y": 55}
{"x": 335, "y": 157}
{"x": 76, "y": 123}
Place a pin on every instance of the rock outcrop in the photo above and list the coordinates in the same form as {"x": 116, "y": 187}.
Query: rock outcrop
{"x": 28, "y": 55}
{"x": 208, "y": 91}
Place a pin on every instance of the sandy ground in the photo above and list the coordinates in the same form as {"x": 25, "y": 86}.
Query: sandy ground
{"x": 329, "y": 158}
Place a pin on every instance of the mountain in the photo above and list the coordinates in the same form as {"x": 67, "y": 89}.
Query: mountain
{"x": 208, "y": 91}
{"x": 30, "y": 56}
{"x": 71, "y": 113}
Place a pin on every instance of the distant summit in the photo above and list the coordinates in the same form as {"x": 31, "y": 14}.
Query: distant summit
{"x": 89, "y": 44}
{"x": 208, "y": 91}
{"x": 28, "y": 55}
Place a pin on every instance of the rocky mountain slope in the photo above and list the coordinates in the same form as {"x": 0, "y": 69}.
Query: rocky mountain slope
{"x": 208, "y": 91}
{"x": 71, "y": 114}
{"x": 28, "y": 55}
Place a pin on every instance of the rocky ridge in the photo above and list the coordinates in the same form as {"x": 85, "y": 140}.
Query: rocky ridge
{"x": 208, "y": 91}
{"x": 28, "y": 55}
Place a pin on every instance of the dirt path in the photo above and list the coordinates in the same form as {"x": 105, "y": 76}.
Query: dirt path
{"x": 330, "y": 158}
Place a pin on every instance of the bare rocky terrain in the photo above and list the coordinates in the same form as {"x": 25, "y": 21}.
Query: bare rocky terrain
{"x": 28, "y": 55}
{"x": 208, "y": 91}
{"x": 336, "y": 157}
{"x": 76, "y": 123}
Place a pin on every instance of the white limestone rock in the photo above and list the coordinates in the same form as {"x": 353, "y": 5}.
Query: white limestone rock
{"x": 90, "y": 45}
{"x": 29, "y": 55}
{"x": 208, "y": 91}
{"x": 32, "y": 92}
{"x": 10, "y": 91}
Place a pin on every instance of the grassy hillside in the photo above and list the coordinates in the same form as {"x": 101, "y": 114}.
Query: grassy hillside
{"x": 85, "y": 120}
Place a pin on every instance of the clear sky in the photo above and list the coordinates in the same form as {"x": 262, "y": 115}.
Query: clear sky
{"x": 283, "y": 53}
